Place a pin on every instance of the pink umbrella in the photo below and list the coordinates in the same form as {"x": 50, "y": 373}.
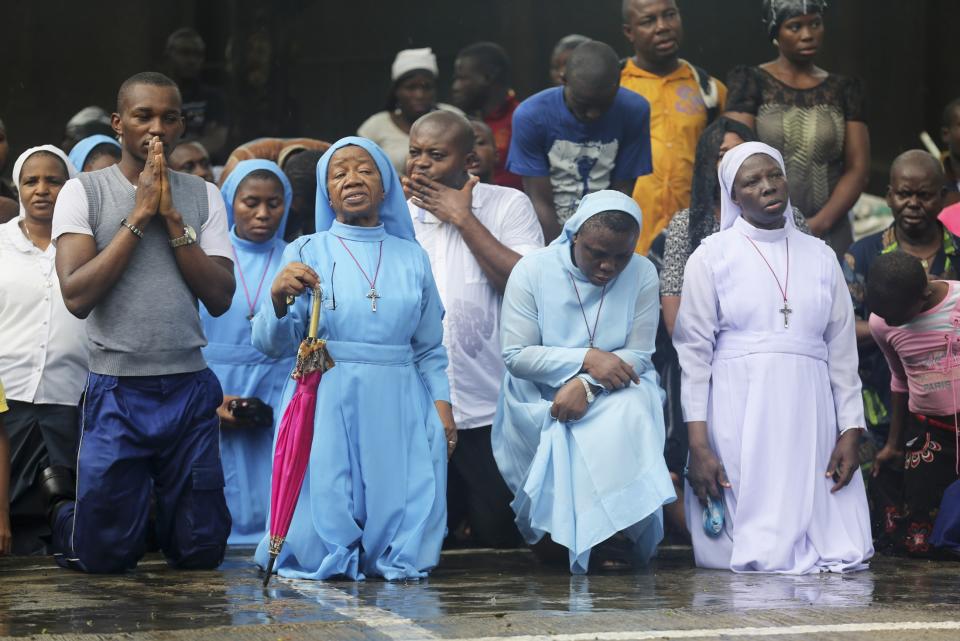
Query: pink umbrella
{"x": 296, "y": 435}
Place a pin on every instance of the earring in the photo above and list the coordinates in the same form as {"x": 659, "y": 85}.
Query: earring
{"x": 330, "y": 202}
{"x": 776, "y": 43}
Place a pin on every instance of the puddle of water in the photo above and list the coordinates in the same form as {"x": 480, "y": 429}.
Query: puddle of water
{"x": 56, "y": 601}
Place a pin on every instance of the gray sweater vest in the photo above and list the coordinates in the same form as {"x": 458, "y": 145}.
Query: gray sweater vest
{"x": 148, "y": 324}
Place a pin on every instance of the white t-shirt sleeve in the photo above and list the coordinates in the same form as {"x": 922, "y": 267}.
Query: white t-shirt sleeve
{"x": 520, "y": 228}
{"x": 214, "y": 235}
{"x": 71, "y": 214}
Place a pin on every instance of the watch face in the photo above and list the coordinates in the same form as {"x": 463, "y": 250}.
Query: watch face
{"x": 190, "y": 233}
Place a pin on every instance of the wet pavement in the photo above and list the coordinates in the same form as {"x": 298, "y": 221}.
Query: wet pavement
{"x": 482, "y": 595}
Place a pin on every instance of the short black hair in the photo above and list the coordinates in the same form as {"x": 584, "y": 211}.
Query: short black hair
{"x": 301, "y": 171}
{"x": 153, "y": 78}
{"x": 452, "y": 123}
{"x": 619, "y": 222}
{"x": 593, "y": 64}
{"x": 952, "y": 108}
{"x": 568, "y": 43}
{"x": 919, "y": 158}
{"x": 492, "y": 59}
{"x": 103, "y": 149}
{"x": 896, "y": 281}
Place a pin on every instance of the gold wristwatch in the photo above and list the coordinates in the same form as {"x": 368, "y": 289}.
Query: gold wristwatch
{"x": 189, "y": 237}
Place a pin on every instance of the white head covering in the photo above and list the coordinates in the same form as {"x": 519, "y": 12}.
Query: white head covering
{"x": 727, "y": 171}
{"x": 596, "y": 203}
{"x": 18, "y": 166}
{"x": 413, "y": 59}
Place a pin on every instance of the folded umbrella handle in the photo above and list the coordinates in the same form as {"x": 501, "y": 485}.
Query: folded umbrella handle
{"x": 315, "y": 312}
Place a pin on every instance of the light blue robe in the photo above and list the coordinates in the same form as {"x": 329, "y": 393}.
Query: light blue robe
{"x": 584, "y": 481}
{"x": 373, "y": 501}
{"x": 247, "y": 453}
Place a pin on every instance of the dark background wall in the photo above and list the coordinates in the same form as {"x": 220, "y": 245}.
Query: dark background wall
{"x": 318, "y": 68}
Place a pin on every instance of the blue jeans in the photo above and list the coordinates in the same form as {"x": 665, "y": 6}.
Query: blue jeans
{"x": 140, "y": 435}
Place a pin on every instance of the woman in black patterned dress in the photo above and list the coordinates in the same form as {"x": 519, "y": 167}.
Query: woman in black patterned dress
{"x": 814, "y": 117}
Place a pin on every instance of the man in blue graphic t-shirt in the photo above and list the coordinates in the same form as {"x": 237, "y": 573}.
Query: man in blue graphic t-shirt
{"x": 582, "y": 137}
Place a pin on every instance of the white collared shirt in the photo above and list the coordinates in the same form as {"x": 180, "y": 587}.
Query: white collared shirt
{"x": 44, "y": 353}
{"x": 471, "y": 327}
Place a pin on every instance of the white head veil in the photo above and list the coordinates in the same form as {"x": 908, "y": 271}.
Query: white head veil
{"x": 729, "y": 166}
{"x": 18, "y": 167}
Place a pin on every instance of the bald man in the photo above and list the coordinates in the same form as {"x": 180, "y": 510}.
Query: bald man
{"x": 584, "y": 136}
{"x": 474, "y": 233}
{"x": 915, "y": 194}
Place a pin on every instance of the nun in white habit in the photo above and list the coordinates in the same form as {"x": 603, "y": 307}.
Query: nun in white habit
{"x": 770, "y": 392}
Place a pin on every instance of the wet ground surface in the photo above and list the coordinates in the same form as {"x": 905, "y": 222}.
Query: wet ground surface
{"x": 483, "y": 595}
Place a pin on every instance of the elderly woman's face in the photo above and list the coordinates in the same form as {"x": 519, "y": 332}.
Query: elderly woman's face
{"x": 355, "y": 187}
{"x": 760, "y": 188}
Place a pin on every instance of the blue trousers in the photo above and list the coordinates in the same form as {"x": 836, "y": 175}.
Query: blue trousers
{"x": 140, "y": 435}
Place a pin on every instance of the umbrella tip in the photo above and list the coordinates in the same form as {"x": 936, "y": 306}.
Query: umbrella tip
{"x": 269, "y": 572}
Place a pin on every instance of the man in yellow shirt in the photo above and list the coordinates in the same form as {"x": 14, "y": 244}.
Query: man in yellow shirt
{"x": 683, "y": 100}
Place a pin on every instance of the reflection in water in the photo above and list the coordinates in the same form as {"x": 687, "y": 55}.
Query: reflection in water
{"x": 33, "y": 598}
{"x": 780, "y": 591}
{"x": 580, "y": 598}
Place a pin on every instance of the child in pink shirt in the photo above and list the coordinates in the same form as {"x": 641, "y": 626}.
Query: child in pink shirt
{"x": 916, "y": 323}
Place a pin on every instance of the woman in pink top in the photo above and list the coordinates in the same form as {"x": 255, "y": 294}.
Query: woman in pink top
{"x": 916, "y": 323}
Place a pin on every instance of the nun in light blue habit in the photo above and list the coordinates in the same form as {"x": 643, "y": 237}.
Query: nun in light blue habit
{"x": 373, "y": 502}
{"x": 82, "y": 152}
{"x": 247, "y": 450}
{"x": 602, "y": 478}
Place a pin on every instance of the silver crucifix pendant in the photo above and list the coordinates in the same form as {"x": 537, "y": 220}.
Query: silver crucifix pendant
{"x": 373, "y": 296}
{"x": 786, "y": 311}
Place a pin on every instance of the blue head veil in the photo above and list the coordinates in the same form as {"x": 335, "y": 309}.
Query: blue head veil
{"x": 394, "y": 213}
{"x": 244, "y": 169}
{"x": 593, "y": 204}
{"x": 80, "y": 151}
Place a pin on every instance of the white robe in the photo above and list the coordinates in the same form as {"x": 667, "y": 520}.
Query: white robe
{"x": 773, "y": 398}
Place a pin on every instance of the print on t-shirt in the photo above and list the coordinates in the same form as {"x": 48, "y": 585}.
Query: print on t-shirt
{"x": 580, "y": 157}
{"x": 578, "y": 168}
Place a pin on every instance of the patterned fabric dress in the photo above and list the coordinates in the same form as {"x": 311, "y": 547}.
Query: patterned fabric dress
{"x": 809, "y": 127}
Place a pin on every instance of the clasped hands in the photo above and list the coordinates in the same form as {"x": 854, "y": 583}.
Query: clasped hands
{"x": 609, "y": 370}
{"x": 153, "y": 192}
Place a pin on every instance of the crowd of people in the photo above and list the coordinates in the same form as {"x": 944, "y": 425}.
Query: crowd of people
{"x": 629, "y": 306}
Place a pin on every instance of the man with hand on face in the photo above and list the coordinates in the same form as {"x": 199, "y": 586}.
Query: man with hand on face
{"x": 588, "y": 135}
{"x": 138, "y": 246}
{"x": 683, "y": 98}
{"x": 474, "y": 234}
